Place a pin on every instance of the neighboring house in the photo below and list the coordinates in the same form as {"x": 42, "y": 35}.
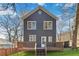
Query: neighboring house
{"x": 78, "y": 37}
{"x": 40, "y": 29}
{"x": 5, "y": 43}
{"x": 66, "y": 38}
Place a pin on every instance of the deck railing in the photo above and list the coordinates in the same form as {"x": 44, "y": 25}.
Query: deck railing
{"x": 34, "y": 44}
{"x": 60, "y": 44}
{"x": 55, "y": 44}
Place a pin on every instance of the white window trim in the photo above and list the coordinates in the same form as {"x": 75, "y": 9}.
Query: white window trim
{"x": 33, "y": 28}
{"x": 32, "y": 38}
{"x": 48, "y": 27}
{"x": 49, "y": 38}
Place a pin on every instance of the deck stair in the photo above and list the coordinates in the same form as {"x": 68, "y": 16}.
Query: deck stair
{"x": 41, "y": 52}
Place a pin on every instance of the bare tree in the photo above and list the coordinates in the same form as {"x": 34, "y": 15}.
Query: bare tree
{"x": 17, "y": 28}
{"x": 5, "y": 23}
{"x": 66, "y": 16}
{"x": 60, "y": 26}
{"x": 11, "y": 23}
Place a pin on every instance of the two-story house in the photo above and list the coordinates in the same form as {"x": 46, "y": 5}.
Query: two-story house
{"x": 40, "y": 29}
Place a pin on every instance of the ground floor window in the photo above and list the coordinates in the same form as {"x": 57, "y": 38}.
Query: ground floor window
{"x": 32, "y": 38}
{"x": 49, "y": 38}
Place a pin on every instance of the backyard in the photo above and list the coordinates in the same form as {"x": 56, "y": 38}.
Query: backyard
{"x": 66, "y": 52}
{"x": 23, "y": 53}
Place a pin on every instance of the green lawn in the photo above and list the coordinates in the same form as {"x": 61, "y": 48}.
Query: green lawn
{"x": 23, "y": 53}
{"x": 66, "y": 52}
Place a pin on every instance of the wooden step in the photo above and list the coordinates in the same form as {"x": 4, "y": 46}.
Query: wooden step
{"x": 41, "y": 52}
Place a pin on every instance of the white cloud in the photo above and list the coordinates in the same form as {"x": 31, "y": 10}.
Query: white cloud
{"x": 41, "y": 4}
{"x": 58, "y": 4}
{"x": 67, "y": 5}
{"x": 13, "y": 15}
{"x": 5, "y": 12}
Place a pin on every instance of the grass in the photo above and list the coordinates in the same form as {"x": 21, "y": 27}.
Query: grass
{"x": 23, "y": 53}
{"x": 66, "y": 52}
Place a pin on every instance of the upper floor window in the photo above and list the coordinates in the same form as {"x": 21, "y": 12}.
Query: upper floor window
{"x": 31, "y": 25}
{"x": 47, "y": 25}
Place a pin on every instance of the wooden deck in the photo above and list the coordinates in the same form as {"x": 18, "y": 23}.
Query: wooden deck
{"x": 55, "y": 49}
{"x": 31, "y": 46}
{"x": 27, "y": 49}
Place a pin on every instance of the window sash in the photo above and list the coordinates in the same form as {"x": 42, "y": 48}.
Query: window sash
{"x": 47, "y": 25}
{"x": 50, "y": 39}
{"x": 32, "y": 38}
{"x": 31, "y": 25}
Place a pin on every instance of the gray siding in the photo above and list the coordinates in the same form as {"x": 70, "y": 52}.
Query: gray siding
{"x": 39, "y": 31}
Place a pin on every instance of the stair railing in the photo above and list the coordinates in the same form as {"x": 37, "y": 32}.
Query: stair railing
{"x": 46, "y": 49}
{"x": 35, "y": 48}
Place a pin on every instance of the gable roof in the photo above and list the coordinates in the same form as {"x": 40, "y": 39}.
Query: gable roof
{"x": 38, "y": 8}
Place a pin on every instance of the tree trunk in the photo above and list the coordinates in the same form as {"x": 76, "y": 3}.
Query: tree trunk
{"x": 74, "y": 41}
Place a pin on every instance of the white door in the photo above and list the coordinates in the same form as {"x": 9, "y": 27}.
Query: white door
{"x": 43, "y": 41}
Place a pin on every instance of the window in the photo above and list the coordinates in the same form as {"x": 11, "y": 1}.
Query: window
{"x": 47, "y": 25}
{"x": 40, "y": 12}
{"x": 32, "y": 38}
{"x": 31, "y": 25}
{"x": 50, "y": 39}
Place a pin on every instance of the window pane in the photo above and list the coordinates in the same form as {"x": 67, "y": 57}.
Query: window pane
{"x": 31, "y": 25}
{"x": 47, "y": 25}
{"x": 50, "y": 39}
{"x": 32, "y": 37}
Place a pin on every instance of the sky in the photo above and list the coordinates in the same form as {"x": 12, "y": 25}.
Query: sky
{"x": 29, "y": 7}
{"x": 53, "y": 8}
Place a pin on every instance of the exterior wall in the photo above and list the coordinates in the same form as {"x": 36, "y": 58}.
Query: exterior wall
{"x": 39, "y": 31}
{"x": 63, "y": 37}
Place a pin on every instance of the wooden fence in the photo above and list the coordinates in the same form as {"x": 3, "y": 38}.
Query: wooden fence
{"x": 21, "y": 45}
{"x": 8, "y": 51}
